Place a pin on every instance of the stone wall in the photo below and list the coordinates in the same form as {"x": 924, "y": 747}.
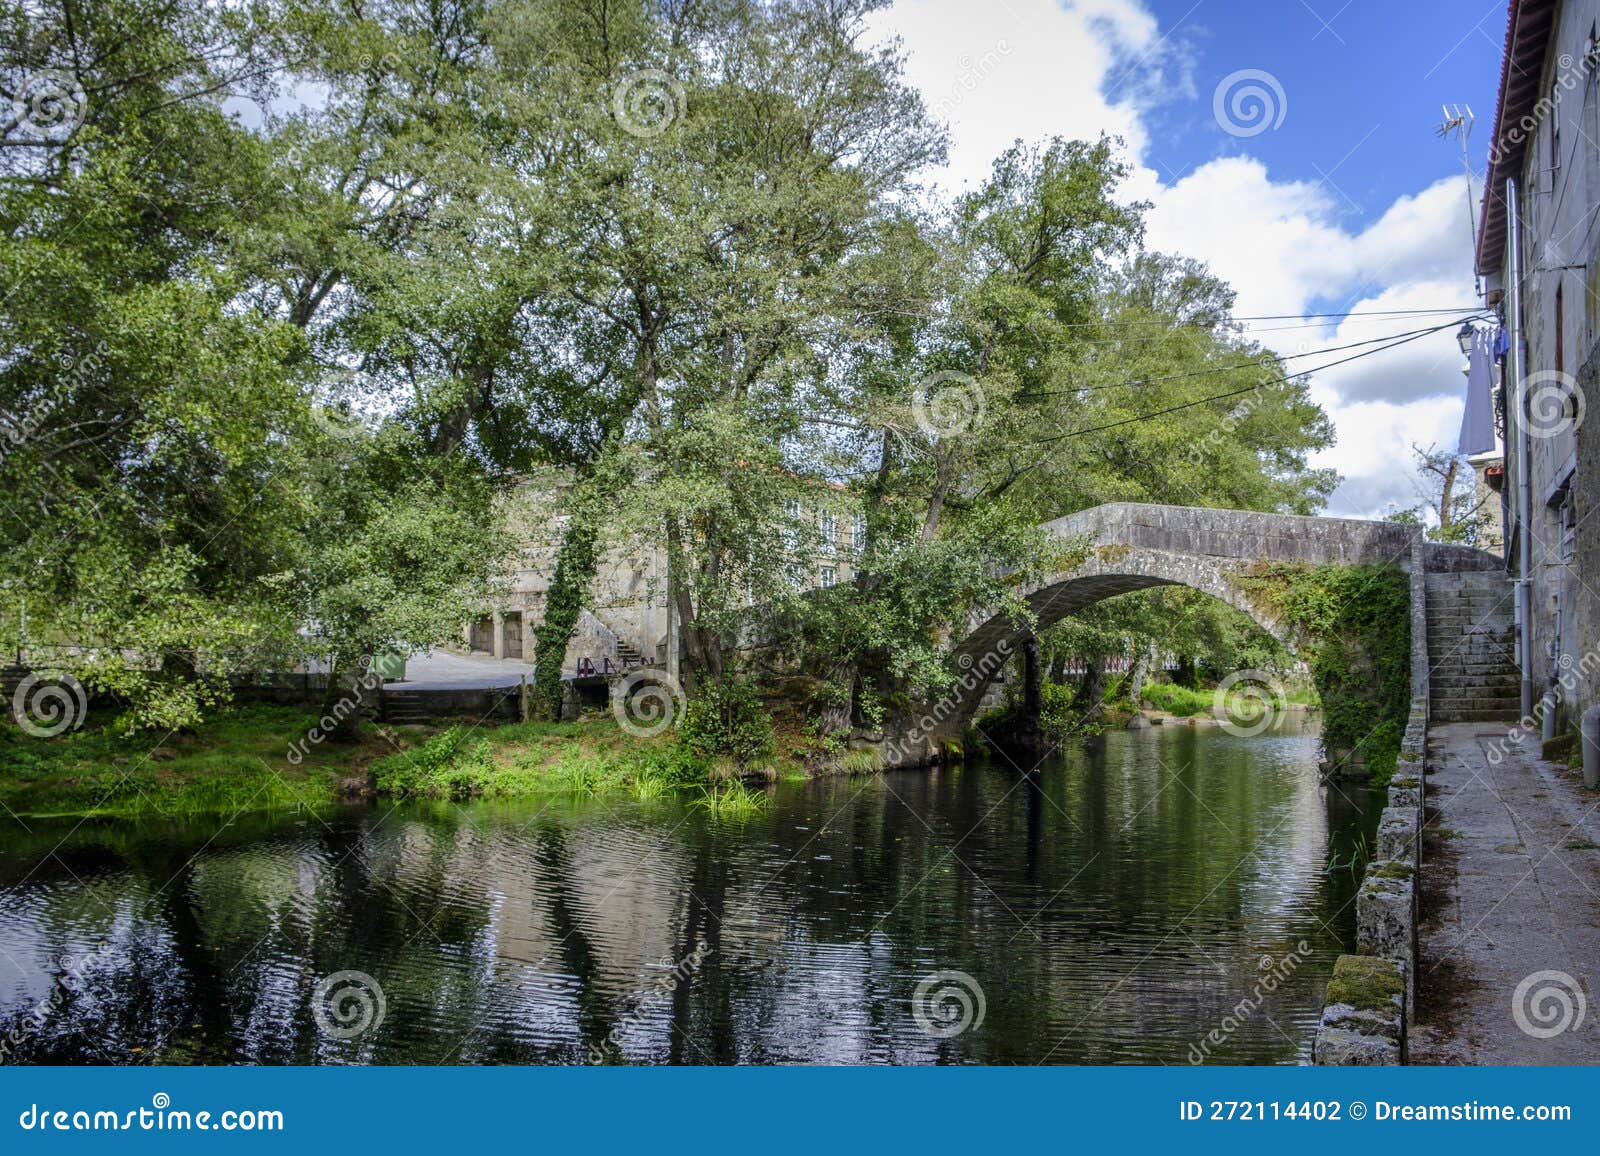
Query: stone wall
{"x": 1371, "y": 998}
{"x": 1586, "y": 499}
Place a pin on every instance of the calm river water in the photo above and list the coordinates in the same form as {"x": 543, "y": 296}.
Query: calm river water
{"x": 1139, "y": 893}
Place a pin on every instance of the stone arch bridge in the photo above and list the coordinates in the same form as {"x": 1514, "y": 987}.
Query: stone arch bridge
{"x": 1133, "y": 547}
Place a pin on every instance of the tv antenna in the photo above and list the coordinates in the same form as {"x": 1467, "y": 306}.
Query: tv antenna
{"x": 1458, "y": 120}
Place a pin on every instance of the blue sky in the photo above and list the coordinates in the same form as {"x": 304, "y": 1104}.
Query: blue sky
{"x": 1344, "y": 200}
{"x": 1364, "y": 83}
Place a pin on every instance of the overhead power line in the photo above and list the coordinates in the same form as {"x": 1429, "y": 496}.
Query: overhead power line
{"x": 1215, "y": 369}
{"x": 1238, "y": 392}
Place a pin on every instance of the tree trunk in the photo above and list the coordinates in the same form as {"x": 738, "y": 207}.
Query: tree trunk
{"x": 349, "y": 685}
{"x": 1094, "y": 686}
{"x": 1029, "y": 736}
{"x": 1058, "y": 668}
{"x": 1136, "y": 676}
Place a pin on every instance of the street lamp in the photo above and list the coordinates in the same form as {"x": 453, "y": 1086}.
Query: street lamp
{"x": 1464, "y": 337}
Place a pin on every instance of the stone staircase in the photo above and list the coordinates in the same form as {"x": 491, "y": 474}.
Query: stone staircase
{"x": 1471, "y": 648}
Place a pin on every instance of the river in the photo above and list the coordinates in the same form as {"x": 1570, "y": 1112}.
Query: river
{"x": 1160, "y": 896}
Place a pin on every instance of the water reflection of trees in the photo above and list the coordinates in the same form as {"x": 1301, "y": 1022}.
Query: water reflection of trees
{"x": 1121, "y": 900}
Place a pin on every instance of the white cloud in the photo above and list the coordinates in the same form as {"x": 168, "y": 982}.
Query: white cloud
{"x": 1033, "y": 68}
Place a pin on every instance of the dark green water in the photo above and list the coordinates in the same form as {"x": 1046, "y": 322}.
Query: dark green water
{"x": 1114, "y": 910}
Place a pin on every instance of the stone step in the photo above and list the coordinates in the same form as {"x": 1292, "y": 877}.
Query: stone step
{"x": 1447, "y": 681}
{"x": 1449, "y": 715}
{"x": 1474, "y": 706}
{"x": 1480, "y": 647}
{"x": 1452, "y": 679}
{"x": 1480, "y": 651}
{"x": 1466, "y": 580}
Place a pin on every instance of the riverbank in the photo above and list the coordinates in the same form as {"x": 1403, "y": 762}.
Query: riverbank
{"x": 236, "y": 760}
{"x": 260, "y": 758}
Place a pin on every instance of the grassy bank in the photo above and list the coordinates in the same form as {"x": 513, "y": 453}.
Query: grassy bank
{"x": 240, "y": 761}
{"x": 237, "y": 760}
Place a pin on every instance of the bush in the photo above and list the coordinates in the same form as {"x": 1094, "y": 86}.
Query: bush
{"x": 726, "y": 718}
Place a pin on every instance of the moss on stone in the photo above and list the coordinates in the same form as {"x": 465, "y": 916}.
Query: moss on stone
{"x": 1365, "y": 982}
{"x": 1566, "y": 748}
{"x": 1392, "y": 869}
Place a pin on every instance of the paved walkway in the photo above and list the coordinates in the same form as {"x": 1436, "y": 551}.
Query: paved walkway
{"x": 1510, "y": 889}
{"x": 442, "y": 670}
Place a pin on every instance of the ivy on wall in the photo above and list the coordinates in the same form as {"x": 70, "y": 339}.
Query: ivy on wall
{"x": 1353, "y": 628}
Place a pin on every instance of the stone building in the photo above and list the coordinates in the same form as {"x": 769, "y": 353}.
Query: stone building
{"x": 1537, "y": 245}
{"x": 626, "y": 621}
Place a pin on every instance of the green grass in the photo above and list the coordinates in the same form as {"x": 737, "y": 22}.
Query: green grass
{"x": 584, "y": 758}
{"x": 238, "y": 760}
{"x": 733, "y": 801}
{"x": 1177, "y": 700}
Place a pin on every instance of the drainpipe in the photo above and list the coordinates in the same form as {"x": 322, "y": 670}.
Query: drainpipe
{"x": 1524, "y": 600}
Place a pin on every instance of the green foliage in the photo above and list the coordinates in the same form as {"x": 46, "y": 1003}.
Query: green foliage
{"x": 727, "y": 719}
{"x": 1177, "y": 700}
{"x": 733, "y": 801}
{"x": 236, "y": 760}
{"x": 1356, "y": 626}
{"x": 277, "y": 378}
{"x": 537, "y": 758}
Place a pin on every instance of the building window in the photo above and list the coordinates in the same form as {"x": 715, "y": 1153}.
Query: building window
{"x": 830, "y": 531}
{"x": 1555, "y": 134}
{"x": 791, "y": 532}
{"x": 1561, "y": 325}
{"x": 858, "y": 534}
{"x": 830, "y": 577}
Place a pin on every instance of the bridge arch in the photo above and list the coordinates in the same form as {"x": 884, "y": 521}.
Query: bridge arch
{"x": 1134, "y": 547}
